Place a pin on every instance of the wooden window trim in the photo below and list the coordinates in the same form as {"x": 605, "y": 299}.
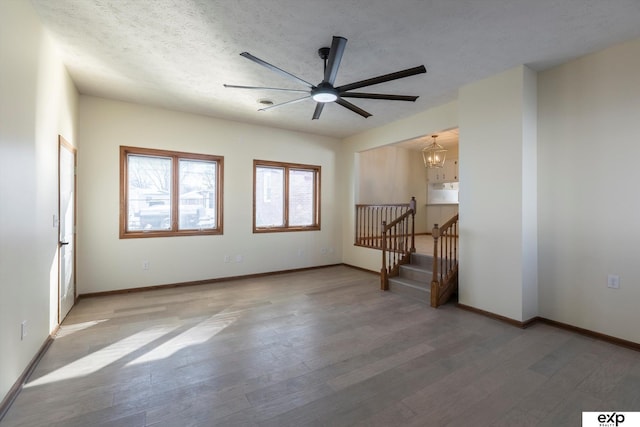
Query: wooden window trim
{"x": 316, "y": 199}
{"x": 175, "y": 156}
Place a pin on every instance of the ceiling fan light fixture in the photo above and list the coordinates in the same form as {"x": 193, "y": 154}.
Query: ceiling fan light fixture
{"x": 324, "y": 93}
{"x": 324, "y": 97}
{"x": 434, "y": 154}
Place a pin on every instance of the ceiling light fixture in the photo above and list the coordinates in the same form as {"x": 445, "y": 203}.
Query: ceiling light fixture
{"x": 434, "y": 154}
{"x": 324, "y": 93}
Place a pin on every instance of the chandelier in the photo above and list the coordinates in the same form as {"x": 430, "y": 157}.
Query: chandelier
{"x": 433, "y": 154}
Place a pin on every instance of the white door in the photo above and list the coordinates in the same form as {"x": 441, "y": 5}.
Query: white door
{"x": 66, "y": 227}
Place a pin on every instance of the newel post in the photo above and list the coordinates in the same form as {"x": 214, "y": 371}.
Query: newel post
{"x": 412, "y": 206}
{"x": 435, "y": 283}
{"x": 384, "y": 280}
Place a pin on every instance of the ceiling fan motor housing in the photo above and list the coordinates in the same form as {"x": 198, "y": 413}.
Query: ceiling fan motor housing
{"x": 323, "y": 52}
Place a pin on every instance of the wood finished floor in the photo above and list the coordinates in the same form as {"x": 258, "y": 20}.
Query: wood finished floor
{"x": 424, "y": 244}
{"x": 320, "y": 347}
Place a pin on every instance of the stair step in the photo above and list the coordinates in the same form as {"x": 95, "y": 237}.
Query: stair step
{"x": 415, "y": 272}
{"x": 422, "y": 260}
{"x": 411, "y": 288}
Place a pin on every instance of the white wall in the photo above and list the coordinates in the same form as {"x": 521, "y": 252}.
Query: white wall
{"x": 493, "y": 223}
{"x": 392, "y": 174}
{"x": 589, "y": 201}
{"x": 38, "y": 102}
{"x": 384, "y": 175}
{"x": 417, "y": 187}
{"x": 530, "y": 290}
{"x": 106, "y": 262}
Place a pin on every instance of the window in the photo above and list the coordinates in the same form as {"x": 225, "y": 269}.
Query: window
{"x": 286, "y": 197}
{"x": 167, "y": 193}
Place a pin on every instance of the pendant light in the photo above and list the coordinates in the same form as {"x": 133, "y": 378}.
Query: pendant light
{"x": 433, "y": 154}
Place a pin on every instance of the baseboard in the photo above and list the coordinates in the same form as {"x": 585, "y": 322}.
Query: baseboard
{"x": 504, "y": 319}
{"x": 200, "y": 282}
{"x": 22, "y": 379}
{"x": 366, "y": 270}
{"x": 586, "y": 332}
{"x": 592, "y": 334}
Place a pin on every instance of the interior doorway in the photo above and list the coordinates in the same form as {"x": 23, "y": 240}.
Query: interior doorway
{"x": 66, "y": 227}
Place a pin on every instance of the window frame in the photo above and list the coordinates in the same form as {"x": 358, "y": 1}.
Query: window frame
{"x": 175, "y": 157}
{"x": 317, "y": 174}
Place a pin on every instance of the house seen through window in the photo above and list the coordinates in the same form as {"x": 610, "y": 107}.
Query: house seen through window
{"x": 168, "y": 193}
{"x": 286, "y": 197}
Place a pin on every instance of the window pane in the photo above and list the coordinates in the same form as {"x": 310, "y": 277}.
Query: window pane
{"x": 149, "y": 193}
{"x": 301, "y": 200}
{"x": 197, "y": 209}
{"x": 269, "y": 197}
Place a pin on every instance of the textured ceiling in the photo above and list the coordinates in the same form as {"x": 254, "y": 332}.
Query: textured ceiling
{"x": 178, "y": 53}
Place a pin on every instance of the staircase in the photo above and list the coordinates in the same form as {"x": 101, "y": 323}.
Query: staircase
{"x": 424, "y": 277}
{"x": 420, "y": 276}
{"x": 414, "y": 279}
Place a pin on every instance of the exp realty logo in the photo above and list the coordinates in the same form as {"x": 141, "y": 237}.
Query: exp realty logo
{"x": 610, "y": 419}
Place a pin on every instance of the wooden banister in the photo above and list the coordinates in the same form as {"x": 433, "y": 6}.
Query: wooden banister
{"x": 369, "y": 219}
{"x": 444, "y": 279}
{"x": 397, "y": 243}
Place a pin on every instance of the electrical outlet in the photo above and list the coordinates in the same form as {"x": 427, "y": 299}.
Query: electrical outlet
{"x": 145, "y": 265}
{"x": 613, "y": 281}
{"x": 227, "y": 258}
{"x": 323, "y": 251}
{"x": 23, "y": 330}
{"x": 239, "y": 258}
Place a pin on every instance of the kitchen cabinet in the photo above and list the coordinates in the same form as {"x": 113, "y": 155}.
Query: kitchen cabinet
{"x": 442, "y": 193}
{"x": 448, "y": 173}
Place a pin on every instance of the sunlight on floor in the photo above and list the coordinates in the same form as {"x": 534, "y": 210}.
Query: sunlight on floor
{"x": 65, "y": 331}
{"x": 198, "y": 334}
{"x": 93, "y": 362}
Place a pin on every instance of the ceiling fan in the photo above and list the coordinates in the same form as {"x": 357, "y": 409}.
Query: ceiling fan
{"x": 325, "y": 91}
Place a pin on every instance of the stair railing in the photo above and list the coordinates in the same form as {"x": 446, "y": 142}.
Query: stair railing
{"x": 369, "y": 220}
{"x": 398, "y": 242}
{"x": 445, "y": 261}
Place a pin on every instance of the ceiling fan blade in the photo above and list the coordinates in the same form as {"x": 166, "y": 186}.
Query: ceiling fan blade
{"x": 385, "y": 78}
{"x": 293, "y": 101}
{"x": 275, "y": 69}
{"x": 318, "y": 111}
{"x": 378, "y": 96}
{"x": 335, "y": 56}
{"x": 352, "y": 107}
{"x": 266, "y": 88}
